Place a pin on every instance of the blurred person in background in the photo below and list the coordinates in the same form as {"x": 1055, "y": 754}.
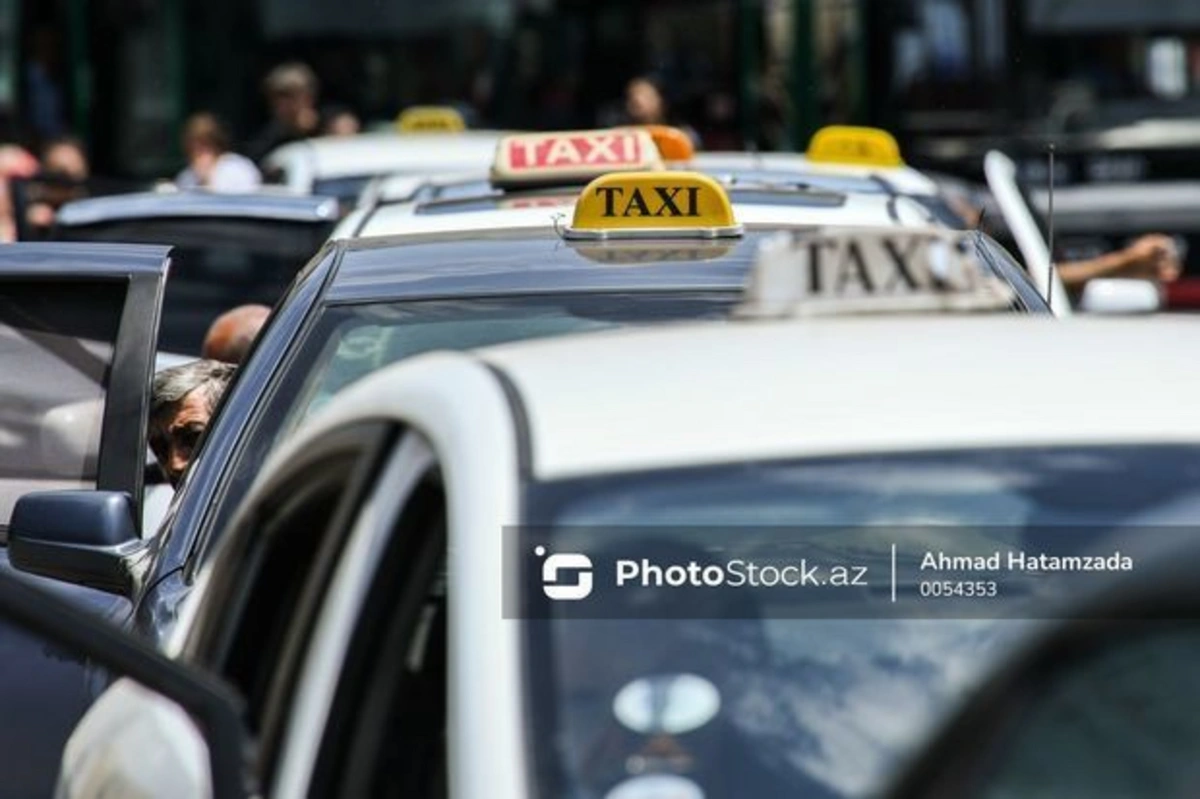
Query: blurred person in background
{"x": 211, "y": 165}
{"x": 646, "y": 104}
{"x": 1152, "y": 256}
{"x": 340, "y": 121}
{"x": 292, "y": 90}
{"x": 231, "y": 336}
{"x": 16, "y": 163}
{"x": 64, "y": 173}
{"x": 66, "y": 157}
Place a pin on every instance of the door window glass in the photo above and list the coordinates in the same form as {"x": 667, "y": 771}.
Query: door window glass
{"x": 56, "y": 350}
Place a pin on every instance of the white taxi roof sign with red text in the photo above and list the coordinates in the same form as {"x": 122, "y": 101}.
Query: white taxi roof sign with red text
{"x": 572, "y": 156}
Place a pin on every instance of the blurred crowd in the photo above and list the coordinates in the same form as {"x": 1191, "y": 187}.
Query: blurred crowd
{"x": 35, "y": 181}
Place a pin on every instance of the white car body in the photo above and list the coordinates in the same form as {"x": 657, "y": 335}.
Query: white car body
{"x": 903, "y": 179}
{"x": 305, "y": 164}
{"x": 634, "y": 401}
{"x": 857, "y": 210}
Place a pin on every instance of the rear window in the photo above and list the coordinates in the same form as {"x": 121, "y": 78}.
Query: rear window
{"x": 217, "y": 264}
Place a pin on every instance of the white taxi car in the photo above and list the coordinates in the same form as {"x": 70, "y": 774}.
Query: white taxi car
{"x": 341, "y": 166}
{"x": 536, "y": 178}
{"x": 658, "y": 563}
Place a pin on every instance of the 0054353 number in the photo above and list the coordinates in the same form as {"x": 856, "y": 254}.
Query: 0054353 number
{"x": 958, "y": 588}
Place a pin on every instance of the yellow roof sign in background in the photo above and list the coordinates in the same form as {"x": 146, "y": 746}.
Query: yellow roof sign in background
{"x": 430, "y": 119}
{"x": 858, "y": 146}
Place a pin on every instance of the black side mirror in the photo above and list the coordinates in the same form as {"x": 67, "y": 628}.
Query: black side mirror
{"x": 84, "y": 537}
{"x": 1105, "y": 703}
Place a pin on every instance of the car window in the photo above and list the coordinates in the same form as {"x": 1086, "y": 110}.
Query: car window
{"x": 56, "y": 352}
{"x": 351, "y": 341}
{"x": 268, "y": 581}
{"x": 1121, "y": 723}
{"x": 216, "y": 264}
{"x": 386, "y": 732}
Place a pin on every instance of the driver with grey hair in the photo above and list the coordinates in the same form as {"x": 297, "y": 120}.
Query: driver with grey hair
{"x": 182, "y": 402}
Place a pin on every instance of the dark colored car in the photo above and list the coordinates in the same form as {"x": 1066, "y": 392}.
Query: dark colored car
{"x": 228, "y": 249}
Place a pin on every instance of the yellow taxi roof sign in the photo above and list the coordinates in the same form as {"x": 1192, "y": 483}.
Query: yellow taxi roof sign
{"x": 672, "y": 143}
{"x": 430, "y": 119}
{"x": 653, "y": 205}
{"x": 572, "y": 156}
{"x": 859, "y": 146}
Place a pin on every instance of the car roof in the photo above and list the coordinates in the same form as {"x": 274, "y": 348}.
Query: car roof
{"x": 794, "y": 209}
{"x": 381, "y": 153}
{"x": 404, "y": 187}
{"x": 157, "y": 205}
{"x": 513, "y": 261}
{"x": 697, "y": 394}
{"x": 764, "y": 390}
{"x": 904, "y": 179}
{"x": 494, "y": 254}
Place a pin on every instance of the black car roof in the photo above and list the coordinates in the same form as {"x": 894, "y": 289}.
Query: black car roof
{"x": 158, "y": 205}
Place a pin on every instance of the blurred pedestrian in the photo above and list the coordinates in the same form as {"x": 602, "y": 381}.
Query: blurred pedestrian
{"x": 231, "y": 336}
{"x": 210, "y": 163}
{"x": 341, "y": 121}
{"x": 16, "y": 163}
{"x": 292, "y": 90}
{"x": 1152, "y": 256}
{"x": 66, "y": 157}
{"x": 63, "y": 177}
{"x": 646, "y": 104}
{"x": 182, "y": 401}
{"x": 43, "y": 84}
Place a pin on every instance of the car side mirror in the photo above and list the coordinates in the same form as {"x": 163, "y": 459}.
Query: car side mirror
{"x": 1106, "y": 703}
{"x": 171, "y": 716}
{"x": 84, "y": 537}
{"x": 1119, "y": 296}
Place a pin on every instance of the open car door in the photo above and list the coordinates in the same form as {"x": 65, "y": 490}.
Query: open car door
{"x": 78, "y": 327}
{"x": 1002, "y": 180}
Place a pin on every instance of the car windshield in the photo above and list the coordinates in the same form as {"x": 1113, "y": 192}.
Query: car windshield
{"x": 216, "y": 265}
{"x": 750, "y": 698}
{"x": 351, "y": 341}
{"x": 356, "y": 340}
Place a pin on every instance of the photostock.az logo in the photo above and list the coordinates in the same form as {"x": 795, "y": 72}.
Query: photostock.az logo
{"x": 567, "y": 565}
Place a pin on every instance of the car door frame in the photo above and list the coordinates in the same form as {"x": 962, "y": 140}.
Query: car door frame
{"x": 472, "y": 419}
{"x": 144, "y": 268}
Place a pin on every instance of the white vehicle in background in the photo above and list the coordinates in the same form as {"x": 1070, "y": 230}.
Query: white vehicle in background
{"x": 537, "y": 196}
{"x": 506, "y": 507}
{"x": 341, "y": 166}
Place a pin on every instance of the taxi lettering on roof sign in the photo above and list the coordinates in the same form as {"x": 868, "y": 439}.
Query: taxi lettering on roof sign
{"x": 866, "y": 270}
{"x": 653, "y": 205}
{"x": 858, "y": 146}
{"x": 572, "y": 155}
{"x": 430, "y": 119}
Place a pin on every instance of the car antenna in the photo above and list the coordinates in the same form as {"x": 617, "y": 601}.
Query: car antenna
{"x": 1050, "y": 245}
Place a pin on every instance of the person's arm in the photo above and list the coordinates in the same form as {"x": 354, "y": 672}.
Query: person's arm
{"x": 1151, "y": 257}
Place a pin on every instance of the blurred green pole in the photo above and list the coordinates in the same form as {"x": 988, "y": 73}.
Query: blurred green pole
{"x": 749, "y": 19}
{"x": 860, "y": 110}
{"x": 805, "y": 112}
{"x": 81, "y": 68}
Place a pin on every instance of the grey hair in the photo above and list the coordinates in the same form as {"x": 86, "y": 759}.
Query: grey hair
{"x": 172, "y": 385}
